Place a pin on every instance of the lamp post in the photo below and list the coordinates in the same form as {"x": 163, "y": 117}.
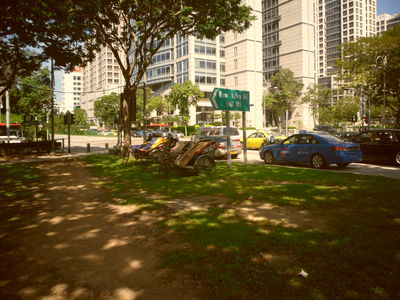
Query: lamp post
{"x": 384, "y": 62}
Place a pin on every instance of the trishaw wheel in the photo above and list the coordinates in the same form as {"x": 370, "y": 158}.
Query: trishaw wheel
{"x": 205, "y": 164}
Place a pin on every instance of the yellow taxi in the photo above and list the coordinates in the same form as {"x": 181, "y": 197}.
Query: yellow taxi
{"x": 262, "y": 137}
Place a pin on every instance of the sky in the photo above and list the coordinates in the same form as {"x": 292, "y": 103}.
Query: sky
{"x": 390, "y": 7}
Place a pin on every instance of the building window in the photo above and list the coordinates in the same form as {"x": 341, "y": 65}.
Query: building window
{"x": 204, "y": 78}
{"x": 182, "y": 71}
{"x": 205, "y": 64}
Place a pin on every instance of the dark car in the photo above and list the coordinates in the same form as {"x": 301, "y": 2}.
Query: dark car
{"x": 326, "y": 128}
{"x": 346, "y": 135}
{"x": 319, "y": 149}
{"x": 379, "y": 145}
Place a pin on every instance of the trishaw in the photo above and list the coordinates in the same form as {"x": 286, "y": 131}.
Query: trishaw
{"x": 187, "y": 155}
{"x": 144, "y": 152}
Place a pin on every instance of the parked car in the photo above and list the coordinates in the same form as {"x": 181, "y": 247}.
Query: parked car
{"x": 262, "y": 137}
{"x": 222, "y": 151}
{"x": 379, "y": 145}
{"x": 257, "y": 139}
{"x": 216, "y": 131}
{"x": 346, "y": 135}
{"x": 326, "y": 128}
{"x": 319, "y": 149}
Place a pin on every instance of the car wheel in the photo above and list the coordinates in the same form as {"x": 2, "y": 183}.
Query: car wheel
{"x": 342, "y": 165}
{"x": 269, "y": 158}
{"x": 397, "y": 158}
{"x": 318, "y": 161}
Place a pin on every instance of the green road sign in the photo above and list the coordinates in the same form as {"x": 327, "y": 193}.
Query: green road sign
{"x": 225, "y": 99}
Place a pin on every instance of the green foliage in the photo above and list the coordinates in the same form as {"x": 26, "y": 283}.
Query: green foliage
{"x": 14, "y": 118}
{"x": 183, "y": 96}
{"x": 374, "y": 63}
{"x": 318, "y": 98}
{"x": 107, "y": 109}
{"x": 54, "y": 28}
{"x": 158, "y": 104}
{"x": 81, "y": 122}
{"x": 340, "y": 112}
{"x": 284, "y": 92}
{"x": 153, "y": 103}
{"x": 35, "y": 95}
{"x": 189, "y": 129}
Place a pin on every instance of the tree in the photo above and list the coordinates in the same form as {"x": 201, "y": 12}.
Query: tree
{"x": 345, "y": 109}
{"x": 284, "y": 92}
{"x": 374, "y": 64}
{"x": 318, "y": 98}
{"x": 184, "y": 95}
{"x": 135, "y": 30}
{"x": 158, "y": 104}
{"x": 35, "y": 95}
{"x": 107, "y": 109}
{"x": 52, "y": 27}
{"x": 81, "y": 121}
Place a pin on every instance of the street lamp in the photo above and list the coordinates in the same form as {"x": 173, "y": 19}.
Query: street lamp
{"x": 384, "y": 61}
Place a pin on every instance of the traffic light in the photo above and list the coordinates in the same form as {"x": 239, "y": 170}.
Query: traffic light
{"x": 69, "y": 119}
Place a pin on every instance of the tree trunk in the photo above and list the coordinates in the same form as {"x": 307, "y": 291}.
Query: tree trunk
{"x": 128, "y": 114}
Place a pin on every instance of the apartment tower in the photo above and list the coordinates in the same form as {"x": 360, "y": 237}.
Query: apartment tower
{"x": 71, "y": 88}
{"x": 232, "y": 61}
{"x": 289, "y": 41}
{"x": 100, "y": 77}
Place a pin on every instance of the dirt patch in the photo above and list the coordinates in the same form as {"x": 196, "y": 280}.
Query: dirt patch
{"x": 71, "y": 242}
{"x": 285, "y": 216}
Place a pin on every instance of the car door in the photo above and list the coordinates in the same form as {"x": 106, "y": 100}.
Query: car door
{"x": 367, "y": 144}
{"x": 287, "y": 150}
{"x": 258, "y": 140}
{"x": 305, "y": 146}
{"x": 250, "y": 140}
{"x": 385, "y": 148}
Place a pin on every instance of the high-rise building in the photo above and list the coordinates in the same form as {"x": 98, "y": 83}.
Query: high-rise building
{"x": 395, "y": 20}
{"x": 305, "y": 37}
{"x": 71, "y": 88}
{"x": 100, "y": 77}
{"x": 382, "y": 22}
{"x": 340, "y": 21}
{"x": 289, "y": 41}
{"x": 232, "y": 61}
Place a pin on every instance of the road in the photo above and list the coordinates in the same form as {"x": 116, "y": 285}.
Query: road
{"x": 98, "y": 143}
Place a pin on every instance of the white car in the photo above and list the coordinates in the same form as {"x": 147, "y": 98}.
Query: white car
{"x": 216, "y": 131}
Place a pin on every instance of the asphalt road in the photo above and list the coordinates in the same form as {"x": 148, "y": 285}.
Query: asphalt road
{"x": 98, "y": 144}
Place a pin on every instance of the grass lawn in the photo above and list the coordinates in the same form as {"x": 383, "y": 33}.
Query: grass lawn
{"x": 258, "y": 226}
{"x": 350, "y": 249}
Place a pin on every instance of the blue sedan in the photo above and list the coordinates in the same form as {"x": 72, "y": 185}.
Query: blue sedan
{"x": 318, "y": 149}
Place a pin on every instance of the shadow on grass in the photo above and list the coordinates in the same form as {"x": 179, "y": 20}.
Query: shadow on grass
{"x": 235, "y": 259}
